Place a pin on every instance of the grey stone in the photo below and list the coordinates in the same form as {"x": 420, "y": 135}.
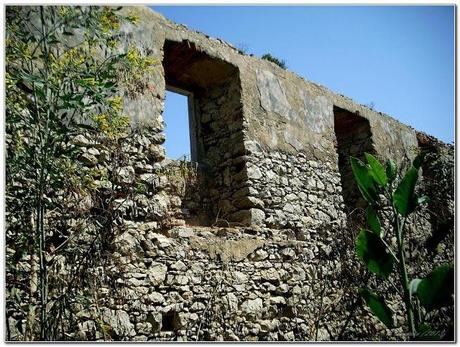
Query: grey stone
{"x": 270, "y": 275}
{"x": 179, "y": 266}
{"x": 252, "y": 216}
{"x": 93, "y": 151}
{"x": 81, "y": 141}
{"x": 260, "y": 254}
{"x": 148, "y": 178}
{"x": 157, "y": 273}
{"x": 252, "y": 306}
{"x": 197, "y": 306}
{"x": 119, "y": 321}
{"x": 181, "y": 232}
{"x": 126, "y": 243}
{"x": 126, "y": 174}
{"x": 88, "y": 159}
{"x": 252, "y": 146}
{"x": 156, "y": 298}
{"x": 253, "y": 172}
{"x": 268, "y": 325}
{"x": 159, "y": 205}
{"x": 278, "y": 300}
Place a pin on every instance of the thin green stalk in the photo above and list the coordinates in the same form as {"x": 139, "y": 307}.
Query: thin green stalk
{"x": 398, "y": 226}
{"x": 40, "y": 202}
{"x": 403, "y": 271}
{"x": 419, "y": 315}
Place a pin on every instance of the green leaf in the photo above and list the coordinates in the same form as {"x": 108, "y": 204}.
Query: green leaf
{"x": 373, "y": 221}
{"x": 418, "y": 161}
{"x": 403, "y": 197}
{"x": 391, "y": 170}
{"x": 413, "y": 285}
{"x": 372, "y": 251}
{"x": 15, "y": 293}
{"x": 436, "y": 290}
{"x": 426, "y": 333}
{"x": 364, "y": 180}
{"x": 17, "y": 256}
{"x": 378, "y": 307}
{"x": 377, "y": 170}
{"x": 423, "y": 200}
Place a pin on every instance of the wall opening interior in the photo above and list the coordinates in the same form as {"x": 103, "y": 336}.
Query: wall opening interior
{"x": 177, "y": 125}
{"x": 442, "y": 216}
{"x": 215, "y": 116}
{"x": 354, "y": 138}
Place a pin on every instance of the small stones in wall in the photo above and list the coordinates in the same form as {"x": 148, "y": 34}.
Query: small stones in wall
{"x": 126, "y": 175}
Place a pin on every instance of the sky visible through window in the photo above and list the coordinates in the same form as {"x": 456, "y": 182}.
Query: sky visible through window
{"x": 177, "y": 128}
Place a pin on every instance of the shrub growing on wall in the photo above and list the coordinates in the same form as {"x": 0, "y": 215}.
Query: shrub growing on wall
{"x": 280, "y": 63}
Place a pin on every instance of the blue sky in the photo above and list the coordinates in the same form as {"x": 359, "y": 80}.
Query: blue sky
{"x": 400, "y": 58}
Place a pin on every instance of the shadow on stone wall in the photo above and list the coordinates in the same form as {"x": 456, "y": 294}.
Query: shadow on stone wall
{"x": 354, "y": 138}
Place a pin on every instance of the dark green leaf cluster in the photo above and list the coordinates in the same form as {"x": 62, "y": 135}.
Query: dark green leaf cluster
{"x": 280, "y": 63}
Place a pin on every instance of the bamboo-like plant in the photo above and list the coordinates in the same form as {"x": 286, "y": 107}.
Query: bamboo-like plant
{"x": 65, "y": 67}
{"x": 429, "y": 293}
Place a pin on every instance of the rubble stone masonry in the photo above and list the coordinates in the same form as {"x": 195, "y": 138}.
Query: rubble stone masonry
{"x": 253, "y": 239}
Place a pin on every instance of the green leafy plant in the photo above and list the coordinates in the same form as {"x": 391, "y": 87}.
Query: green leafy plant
{"x": 396, "y": 201}
{"x": 65, "y": 76}
{"x": 280, "y": 63}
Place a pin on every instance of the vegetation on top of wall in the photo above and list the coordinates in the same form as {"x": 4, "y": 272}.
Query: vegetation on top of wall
{"x": 280, "y": 63}
{"x": 421, "y": 296}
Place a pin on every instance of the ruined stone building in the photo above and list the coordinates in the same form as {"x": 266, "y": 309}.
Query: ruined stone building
{"x": 253, "y": 239}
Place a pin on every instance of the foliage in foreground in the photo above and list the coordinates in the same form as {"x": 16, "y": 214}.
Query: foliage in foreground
{"x": 400, "y": 200}
{"x": 64, "y": 72}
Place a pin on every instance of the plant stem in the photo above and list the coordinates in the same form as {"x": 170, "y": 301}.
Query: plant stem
{"x": 41, "y": 191}
{"x": 404, "y": 278}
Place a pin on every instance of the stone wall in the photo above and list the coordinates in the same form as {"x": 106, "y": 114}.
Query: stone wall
{"x": 290, "y": 191}
{"x": 250, "y": 241}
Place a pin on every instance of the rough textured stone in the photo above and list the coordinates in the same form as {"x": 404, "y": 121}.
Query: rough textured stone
{"x": 272, "y": 95}
{"x": 88, "y": 159}
{"x": 126, "y": 174}
{"x": 157, "y": 273}
{"x": 252, "y": 306}
{"x": 253, "y": 242}
{"x": 119, "y": 321}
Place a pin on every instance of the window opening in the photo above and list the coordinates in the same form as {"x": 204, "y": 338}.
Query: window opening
{"x": 354, "y": 138}
{"x": 177, "y": 126}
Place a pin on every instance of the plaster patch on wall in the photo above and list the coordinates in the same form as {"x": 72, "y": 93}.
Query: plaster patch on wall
{"x": 272, "y": 96}
{"x": 408, "y": 138}
{"x": 290, "y": 138}
{"x": 318, "y": 112}
{"x": 387, "y": 129}
{"x": 273, "y": 139}
{"x": 142, "y": 109}
{"x": 228, "y": 250}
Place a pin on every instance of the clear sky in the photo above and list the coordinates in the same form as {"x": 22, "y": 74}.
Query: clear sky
{"x": 398, "y": 58}
{"x": 177, "y": 133}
